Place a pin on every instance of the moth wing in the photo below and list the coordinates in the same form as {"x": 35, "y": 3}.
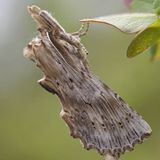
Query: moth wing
{"x": 106, "y": 123}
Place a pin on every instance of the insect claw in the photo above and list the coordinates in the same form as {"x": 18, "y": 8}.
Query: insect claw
{"x": 83, "y": 30}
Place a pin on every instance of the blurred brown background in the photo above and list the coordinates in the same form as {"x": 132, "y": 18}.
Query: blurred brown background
{"x": 30, "y": 126}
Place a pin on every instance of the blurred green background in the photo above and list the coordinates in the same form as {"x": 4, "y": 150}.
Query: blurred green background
{"x": 30, "y": 126}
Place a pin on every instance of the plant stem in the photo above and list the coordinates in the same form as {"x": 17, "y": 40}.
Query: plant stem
{"x": 109, "y": 157}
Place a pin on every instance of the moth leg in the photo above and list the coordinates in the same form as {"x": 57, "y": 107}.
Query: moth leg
{"x": 75, "y": 41}
{"x": 74, "y": 38}
{"x": 83, "y": 30}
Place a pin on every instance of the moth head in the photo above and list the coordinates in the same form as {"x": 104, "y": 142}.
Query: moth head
{"x": 44, "y": 19}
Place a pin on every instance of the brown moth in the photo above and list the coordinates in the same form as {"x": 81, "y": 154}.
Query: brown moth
{"x": 93, "y": 112}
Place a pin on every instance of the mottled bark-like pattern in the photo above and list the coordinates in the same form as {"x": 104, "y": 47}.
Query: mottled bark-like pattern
{"x": 93, "y": 112}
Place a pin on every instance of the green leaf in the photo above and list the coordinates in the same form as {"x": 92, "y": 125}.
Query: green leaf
{"x": 156, "y": 5}
{"x": 155, "y": 51}
{"x": 145, "y": 39}
{"x": 128, "y": 23}
{"x": 151, "y": 6}
{"x": 142, "y": 6}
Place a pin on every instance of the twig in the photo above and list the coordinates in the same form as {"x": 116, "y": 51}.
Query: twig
{"x": 109, "y": 157}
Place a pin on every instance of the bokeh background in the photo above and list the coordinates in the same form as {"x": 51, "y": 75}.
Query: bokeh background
{"x": 30, "y": 126}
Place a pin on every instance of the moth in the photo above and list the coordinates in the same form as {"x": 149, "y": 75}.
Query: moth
{"x": 95, "y": 114}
